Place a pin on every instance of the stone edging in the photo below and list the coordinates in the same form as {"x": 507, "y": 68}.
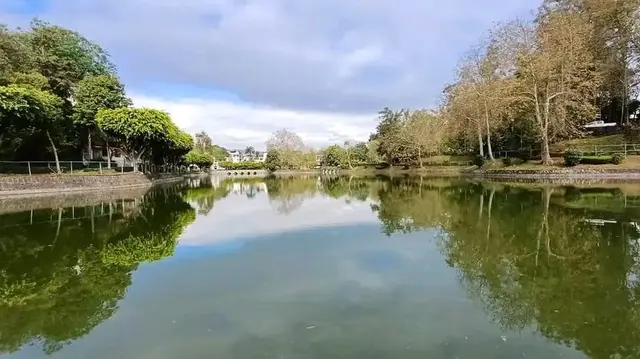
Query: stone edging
{"x": 47, "y": 185}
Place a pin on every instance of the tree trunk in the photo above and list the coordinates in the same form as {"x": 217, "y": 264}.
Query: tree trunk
{"x": 89, "y": 146}
{"x": 546, "y": 156}
{"x": 486, "y": 119}
{"x": 108, "y": 155}
{"x": 55, "y": 151}
{"x": 420, "y": 157}
{"x": 480, "y": 143}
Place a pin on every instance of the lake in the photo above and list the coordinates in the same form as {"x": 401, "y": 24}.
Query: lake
{"x": 331, "y": 267}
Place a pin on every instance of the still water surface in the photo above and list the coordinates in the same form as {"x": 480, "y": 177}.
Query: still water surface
{"x": 327, "y": 268}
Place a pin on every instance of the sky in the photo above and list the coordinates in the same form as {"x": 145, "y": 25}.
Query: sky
{"x": 242, "y": 69}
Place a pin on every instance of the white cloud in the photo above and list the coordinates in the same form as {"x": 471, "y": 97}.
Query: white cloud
{"x": 239, "y": 124}
{"x": 329, "y": 55}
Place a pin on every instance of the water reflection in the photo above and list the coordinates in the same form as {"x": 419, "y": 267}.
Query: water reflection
{"x": 559, "y": 261}
{"x": 63, "y": 271}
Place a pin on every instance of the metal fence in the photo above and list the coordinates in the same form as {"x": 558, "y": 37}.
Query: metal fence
{"x": 82, "y": 167}
{"x": 627, "y": 149}
{"x": 75, "y": 167}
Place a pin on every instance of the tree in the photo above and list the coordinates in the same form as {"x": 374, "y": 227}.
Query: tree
{"x": 249, "y": 151}
{"x": 334, "y": 156}
{"x": 556, "y": 74}
{"x": 481, "y": 73}
{"x": 201, "y": 159}
{"x": 203, "y": 142}
{"x": 423, "y": 133}
{"x": 135, "y": 130}
{"x": 65, "y": 57}
{"x": 387, "y": 134}
{"x": 25, "y": 111}
{"x": 92, "y": 94}
{"x": 273, "y": 162}
{"x": 291, "y": 149}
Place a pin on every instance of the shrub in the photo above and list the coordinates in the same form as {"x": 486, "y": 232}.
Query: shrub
{"x": 617, "y": 159}
{"x": 479, "y": 161}
{"x": 596, "y": 160}
{"x": 572, "y": 157}
{"x": 507, "y": 161}
{"x": 248, "y": 165}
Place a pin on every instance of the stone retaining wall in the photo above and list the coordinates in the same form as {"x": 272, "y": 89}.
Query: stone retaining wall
{"x": 25, "y": 185}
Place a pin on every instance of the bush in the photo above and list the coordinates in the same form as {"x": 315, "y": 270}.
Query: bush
{"x": 273, "y": 161}
{"x": 596, "y": 160}
{"x": 248, "y": 165}
{"x": 507, "y": 161}
{"x": 572, "y": 157}
{"x": 479, "y": 161}
{"x": 617, "y": 159}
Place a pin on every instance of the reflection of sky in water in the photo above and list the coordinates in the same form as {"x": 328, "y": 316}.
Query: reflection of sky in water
{"x": 321, "y": 282}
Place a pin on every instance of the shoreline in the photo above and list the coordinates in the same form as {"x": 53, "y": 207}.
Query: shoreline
{"x": 40, "y": 186}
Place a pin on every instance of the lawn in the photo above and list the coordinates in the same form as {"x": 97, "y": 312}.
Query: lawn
{"x": 588, "y": 142}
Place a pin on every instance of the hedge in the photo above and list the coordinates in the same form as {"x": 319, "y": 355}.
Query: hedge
{"x": 249, "y": 165}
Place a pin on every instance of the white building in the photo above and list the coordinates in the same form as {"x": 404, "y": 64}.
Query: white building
{"x": 236, "y": 156}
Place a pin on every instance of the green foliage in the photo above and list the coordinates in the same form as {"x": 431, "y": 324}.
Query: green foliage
{"x": 479, "y": 161}
{"x": 334, "y": 156}
{"x": 572, "y": 157}
{"x": 617, "y": 159}
{"x": 26, "y": 112}
{"x": 200, "y": 159}
{"x": 596, "y": 160}
{"x": 137, "y": 131}
{"x": 94, "y": 93}
{"x": 273, "y": 162}
{"x": 64, "y": 275}
{"x": 244, "y": 165}
{"x": 65, "y": 57}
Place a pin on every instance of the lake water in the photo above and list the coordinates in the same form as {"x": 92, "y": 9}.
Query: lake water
{"x": 341, "y": 267}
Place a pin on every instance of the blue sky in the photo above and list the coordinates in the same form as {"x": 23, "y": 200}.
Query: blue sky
{"x": 241, "y": 69}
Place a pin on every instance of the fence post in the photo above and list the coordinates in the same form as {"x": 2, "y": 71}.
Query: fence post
{"x": 100, "y": 165}
{"x": 625, "y": 149}
{"x": 122, "y": 168}
{"x": 71, "y": 166}
{"x": 29, "y": 166}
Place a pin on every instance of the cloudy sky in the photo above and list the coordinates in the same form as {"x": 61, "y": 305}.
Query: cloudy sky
{"x": 240, "y": 69}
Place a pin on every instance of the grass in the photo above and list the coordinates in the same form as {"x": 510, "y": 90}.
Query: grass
{"x": 588, "y": 142}
{"x": 631, "y": 162}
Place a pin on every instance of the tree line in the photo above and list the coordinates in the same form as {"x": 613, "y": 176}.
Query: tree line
{"x": 60, "y": 94}
{"x": 527, "y": 84}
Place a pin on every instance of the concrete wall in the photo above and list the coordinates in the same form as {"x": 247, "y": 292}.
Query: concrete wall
{"x": 24, "y": 185}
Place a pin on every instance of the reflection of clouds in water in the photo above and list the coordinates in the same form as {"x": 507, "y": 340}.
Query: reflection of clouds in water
{"x": 319, "y": 293}
{"x": 235, "y": 216}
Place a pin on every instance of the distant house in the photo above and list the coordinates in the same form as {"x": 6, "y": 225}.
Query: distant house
{"x": 236, "y": 156}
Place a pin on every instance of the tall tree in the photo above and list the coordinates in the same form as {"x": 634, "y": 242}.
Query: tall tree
{"x": 203, "y": 142}
{"x": 65, "y": 57}
{"x": 92, "y": 94}
{"x": 556, "y": 74}
{"x": 136, "y": 131}
{"x": 28, "y": 111}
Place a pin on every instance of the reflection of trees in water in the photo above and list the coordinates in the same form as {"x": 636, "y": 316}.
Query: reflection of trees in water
{"x": 532, "y": 260}
{"x": 288, "y": 193}
{"x": 62, "y": 272}
{"x": 528, "y": 254}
